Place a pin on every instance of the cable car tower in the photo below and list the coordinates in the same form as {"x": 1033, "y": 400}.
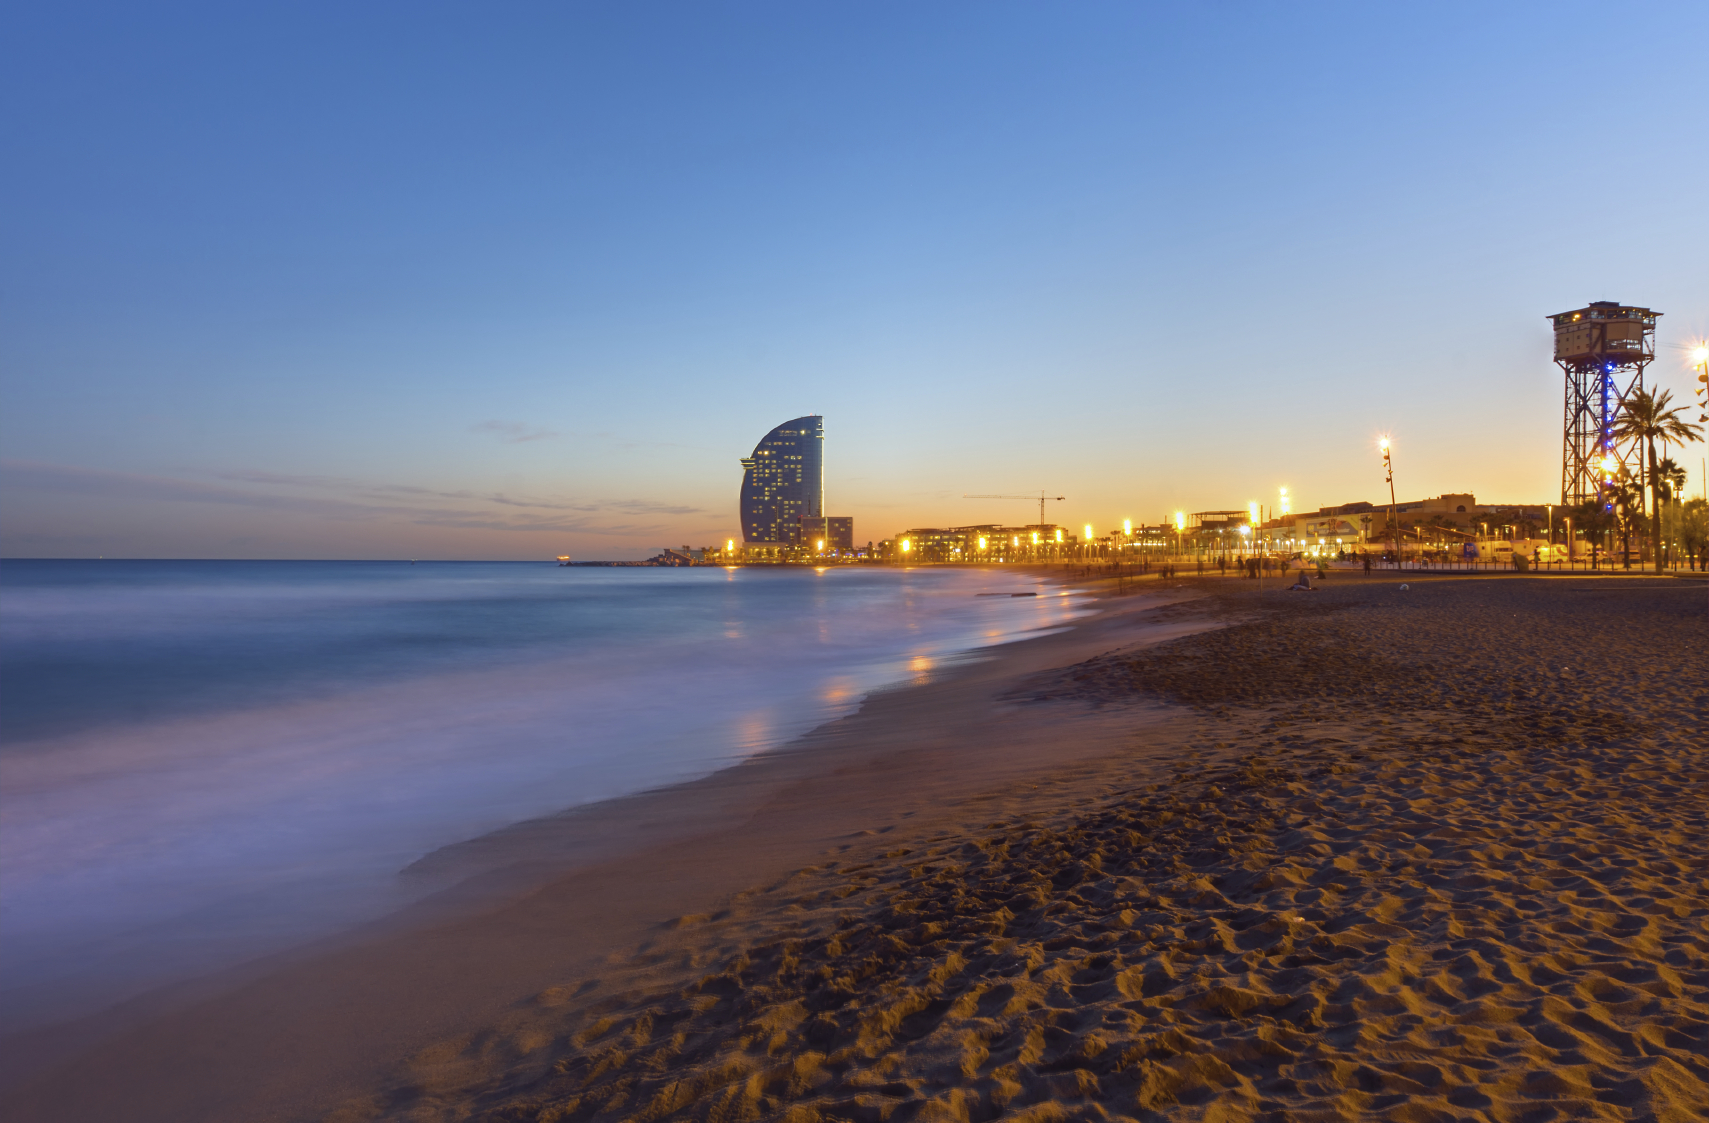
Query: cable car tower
{"x": 1603, "y": 348}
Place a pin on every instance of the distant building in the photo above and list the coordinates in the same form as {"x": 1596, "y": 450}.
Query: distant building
{"x": 784, "y": 482}
{"x": 783, "y": 496}
{"x": 987, "y": 542}
{"x": 835, "y": 531}
{"x": 1454, "y": 517}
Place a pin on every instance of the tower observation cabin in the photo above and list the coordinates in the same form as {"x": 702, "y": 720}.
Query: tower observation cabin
{"x": 1602, "y": 349}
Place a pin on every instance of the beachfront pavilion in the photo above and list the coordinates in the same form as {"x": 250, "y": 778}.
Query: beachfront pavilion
{"x": 1216, "y": 533}
{"x": 1442, "y": 524}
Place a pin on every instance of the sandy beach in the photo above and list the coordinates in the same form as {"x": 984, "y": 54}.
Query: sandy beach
{"x": 1432, "y": 854}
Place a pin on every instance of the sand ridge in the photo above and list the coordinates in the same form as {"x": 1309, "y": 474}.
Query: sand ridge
{"x": 1417, "y": 865}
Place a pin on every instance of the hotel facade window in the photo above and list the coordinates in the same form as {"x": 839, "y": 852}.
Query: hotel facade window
{"x": 784, "y": 481}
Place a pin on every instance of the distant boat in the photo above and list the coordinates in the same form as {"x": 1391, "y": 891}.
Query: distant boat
{"x": 563, "y": 559}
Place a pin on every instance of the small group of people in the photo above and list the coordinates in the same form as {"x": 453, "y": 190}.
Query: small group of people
{"x": 1254, "y": 567}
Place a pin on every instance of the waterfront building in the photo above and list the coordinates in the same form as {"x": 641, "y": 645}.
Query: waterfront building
{"x": 986, "y": 542}
{"x": 783, "y": 498}
{"x": 835, "y": 531}
{"x": 784, "y": 483}
{"x": 1441, "y": 523}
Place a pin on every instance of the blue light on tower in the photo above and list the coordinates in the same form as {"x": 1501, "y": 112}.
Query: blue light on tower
{"x": 1607, "y": 429}
{"x": 1604, "y": 341}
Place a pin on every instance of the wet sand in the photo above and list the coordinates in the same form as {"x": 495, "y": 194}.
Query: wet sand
{"x": 1425, "y": 855}
{"x": 551, "y": 902}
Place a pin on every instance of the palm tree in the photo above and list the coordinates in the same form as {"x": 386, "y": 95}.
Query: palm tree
{"x": 1647, "y": 417}
{"x": 1694, "y": 531}
{"x": 1594, "y": 520}
{"x": 1670, "y": 481}
{"x": 1628, "y": 499}
{"x": 1670, "y": 478}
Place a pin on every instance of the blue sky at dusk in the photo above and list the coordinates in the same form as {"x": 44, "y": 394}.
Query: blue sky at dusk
{"x": 513, "y": 280}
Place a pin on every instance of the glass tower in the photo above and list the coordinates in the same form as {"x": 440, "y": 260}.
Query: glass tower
{"x": 785, "y": 481}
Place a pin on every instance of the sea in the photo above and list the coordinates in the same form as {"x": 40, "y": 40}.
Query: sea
{"x": 204, "y": 762}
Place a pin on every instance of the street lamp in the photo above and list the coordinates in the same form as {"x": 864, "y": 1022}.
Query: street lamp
{"x": 1394, "y": 516}
{"x": 1700, "y": 363}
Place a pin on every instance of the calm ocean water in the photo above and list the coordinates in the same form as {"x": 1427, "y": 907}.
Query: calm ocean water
{"x": 205, "y": 761}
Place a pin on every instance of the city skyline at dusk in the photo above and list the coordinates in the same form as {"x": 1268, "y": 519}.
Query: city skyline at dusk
{"x": 432, "y": 282}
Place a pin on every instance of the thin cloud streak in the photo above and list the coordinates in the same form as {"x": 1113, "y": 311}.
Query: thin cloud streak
{"x": 513, "y": 432}
{"x": 348, "y": 500}
{"x": 336, "y": 483}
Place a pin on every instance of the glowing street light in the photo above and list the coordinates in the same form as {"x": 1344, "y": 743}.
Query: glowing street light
{"x": 1127, "y": 527}
{"x": 905, "y": 545}
{"x": 981, "y": 543}
{"x": 1700, "y": 363}
{"x": 1394, "y": 517}
{"x": 1088, "y": 532}
{"x": 1180, "y": 520}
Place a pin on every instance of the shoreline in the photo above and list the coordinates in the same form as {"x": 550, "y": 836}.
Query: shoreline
{"x": 513, "y": 869}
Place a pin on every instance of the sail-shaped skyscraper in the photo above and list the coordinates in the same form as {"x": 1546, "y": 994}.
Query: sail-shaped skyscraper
{"x": 784, "y": 482}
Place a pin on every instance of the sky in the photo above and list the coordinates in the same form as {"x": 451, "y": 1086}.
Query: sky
{"x": 446, "y": 280}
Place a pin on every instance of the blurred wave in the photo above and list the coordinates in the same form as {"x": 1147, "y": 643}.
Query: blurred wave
{"x": 201, "y": 762}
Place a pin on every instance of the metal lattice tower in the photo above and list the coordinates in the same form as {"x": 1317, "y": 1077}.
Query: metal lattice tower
{"x": 1603, "y": 349}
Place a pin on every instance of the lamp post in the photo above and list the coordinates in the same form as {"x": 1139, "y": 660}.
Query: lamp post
{"x": 1394, "y": 516}
{"x": 1700, "y": 364}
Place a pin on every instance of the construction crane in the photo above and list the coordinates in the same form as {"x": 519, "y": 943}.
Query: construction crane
{"x": 1041, "y": 497}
